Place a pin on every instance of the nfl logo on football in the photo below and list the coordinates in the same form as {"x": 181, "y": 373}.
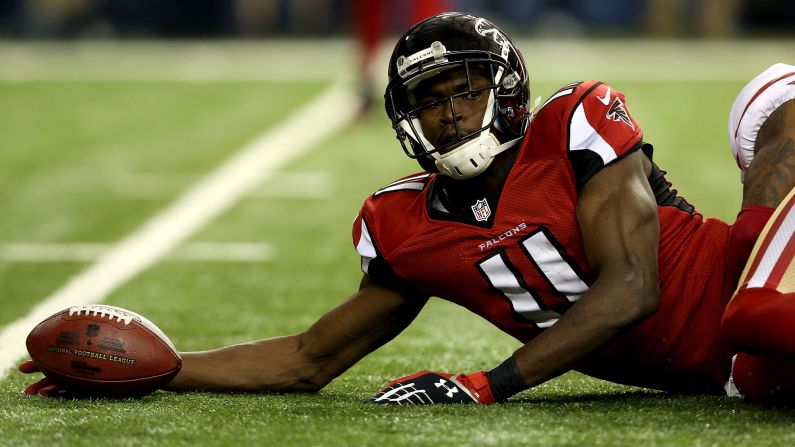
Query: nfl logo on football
{"x": 481, "y": 210}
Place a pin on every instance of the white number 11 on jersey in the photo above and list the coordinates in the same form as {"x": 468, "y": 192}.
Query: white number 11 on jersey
{"x": 550, "y": 261}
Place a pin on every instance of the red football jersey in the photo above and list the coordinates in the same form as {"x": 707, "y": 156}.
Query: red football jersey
{"x": 520, "y": 262}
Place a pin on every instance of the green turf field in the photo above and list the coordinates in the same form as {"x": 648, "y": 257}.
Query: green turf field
{"x": 88, "y": 156}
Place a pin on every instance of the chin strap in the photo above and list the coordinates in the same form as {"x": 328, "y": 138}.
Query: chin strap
{"x": 472, "y": 158}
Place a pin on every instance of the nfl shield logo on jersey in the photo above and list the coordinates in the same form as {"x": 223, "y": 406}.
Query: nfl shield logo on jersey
{"x": 481, "y": 210}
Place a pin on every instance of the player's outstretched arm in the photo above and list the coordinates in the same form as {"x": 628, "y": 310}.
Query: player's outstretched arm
{"x": 309, "y": 360}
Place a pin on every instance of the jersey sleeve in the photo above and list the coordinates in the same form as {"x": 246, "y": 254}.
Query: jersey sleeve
{"x": 363, "y": 242}
{"x": 601, "y": 131}
{"x": 373, "y": 263}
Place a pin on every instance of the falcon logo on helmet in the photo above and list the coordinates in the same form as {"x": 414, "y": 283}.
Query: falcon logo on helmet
{"x": 458, "y": 41}
{"x": 496, "y": 34}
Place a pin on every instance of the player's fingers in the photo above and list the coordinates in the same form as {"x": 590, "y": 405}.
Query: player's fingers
{"x": 48, "y": 391}
{"x": 34, "y": 388}
{"x": 28, "y": 367}
{"x": 53, "y": 391}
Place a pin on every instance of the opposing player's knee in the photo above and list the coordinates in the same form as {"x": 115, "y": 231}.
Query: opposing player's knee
{"x": 759, "y": 321}
{"x": 742, "y": 318}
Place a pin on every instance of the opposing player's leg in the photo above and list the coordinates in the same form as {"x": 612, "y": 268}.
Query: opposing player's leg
{"x": 759, "y": 318}
{"x": 762, "y": 133}
{"x": 757, "y": 322}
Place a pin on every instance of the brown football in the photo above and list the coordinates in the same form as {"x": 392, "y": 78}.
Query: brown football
{"x": 103, "y": 351}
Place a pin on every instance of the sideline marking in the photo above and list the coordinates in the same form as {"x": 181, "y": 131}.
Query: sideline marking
{"x": 242, "y": 172}
{"x": 91, "y": 251}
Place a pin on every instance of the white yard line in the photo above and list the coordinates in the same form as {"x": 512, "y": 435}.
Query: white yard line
{"x": 23, "y": 252}
{"x": 164, "y": 185}
{"x": 244, "y": 171}
{"x": 224, "y": 252}
{"x": 296, "y": 185}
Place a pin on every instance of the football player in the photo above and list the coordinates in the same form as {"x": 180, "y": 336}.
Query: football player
{"x": 554, "y": 225}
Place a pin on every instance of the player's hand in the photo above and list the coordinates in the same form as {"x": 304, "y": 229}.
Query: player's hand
{"x": 44, "y": 387}
{"x": 428, "y": 387}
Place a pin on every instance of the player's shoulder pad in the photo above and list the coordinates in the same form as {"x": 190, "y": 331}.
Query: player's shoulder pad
{"x": 605, "y": 105}
{"x": 569, "y": 94}
{"x": 588, "y": 108}
{"x": 415, "y": 182}
{"x": 587, "y": 122}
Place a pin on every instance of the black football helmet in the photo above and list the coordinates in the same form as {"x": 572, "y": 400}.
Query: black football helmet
{"x": 455, "y": 40}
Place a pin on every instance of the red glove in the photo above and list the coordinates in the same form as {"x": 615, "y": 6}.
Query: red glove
{"x": 428, "y": 387}
{"x": 44, "y": 387}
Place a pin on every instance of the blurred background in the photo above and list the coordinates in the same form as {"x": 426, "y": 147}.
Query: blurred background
{"x": 37, "y": 19}
{"x": 367, "y": 28}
